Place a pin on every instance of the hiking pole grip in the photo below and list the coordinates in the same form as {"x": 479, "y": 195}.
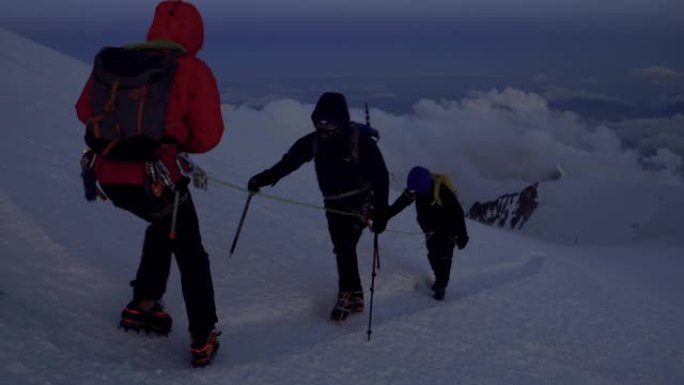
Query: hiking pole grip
{"x": 242, "y": 220}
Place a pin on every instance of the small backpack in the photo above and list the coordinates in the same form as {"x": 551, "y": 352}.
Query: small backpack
{"x": 439, "y": 181}
{"x": 359, "y": 130}
{"x": 130, "y": 93}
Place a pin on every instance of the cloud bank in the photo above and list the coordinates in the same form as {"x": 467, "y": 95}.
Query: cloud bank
{"x": 660, "y": 75}
{"x": 500, "y": 140}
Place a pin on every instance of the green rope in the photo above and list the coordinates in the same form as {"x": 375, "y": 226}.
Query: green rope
{"x": 303, "y": 204}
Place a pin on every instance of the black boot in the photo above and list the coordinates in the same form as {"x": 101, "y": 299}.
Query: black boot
{"x": 442, "y": 269}
{"x": 204, "y": 347}
{"x": 155, "y": 320}
{"x": 439, "y": 292}
{"x": 348, "y": 302}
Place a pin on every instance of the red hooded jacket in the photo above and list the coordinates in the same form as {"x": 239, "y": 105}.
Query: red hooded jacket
{"x": 193, "y": 116}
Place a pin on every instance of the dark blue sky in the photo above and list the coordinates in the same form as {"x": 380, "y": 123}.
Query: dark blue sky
{"x": 432, "y": 49}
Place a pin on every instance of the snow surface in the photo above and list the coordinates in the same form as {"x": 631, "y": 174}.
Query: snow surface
{"x": 519, "y": 310}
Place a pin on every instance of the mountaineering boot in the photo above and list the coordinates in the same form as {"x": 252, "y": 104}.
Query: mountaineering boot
{"x": 439, "y": 292}
{"x": 204, "y": 347}
{"x": 154, "y": 320}
{"x": 348, "y": 302}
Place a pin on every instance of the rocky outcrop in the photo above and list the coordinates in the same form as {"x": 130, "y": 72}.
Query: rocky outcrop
{"x": 509, "y": 211}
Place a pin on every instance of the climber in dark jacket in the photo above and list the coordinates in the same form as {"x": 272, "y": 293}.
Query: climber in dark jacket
{"x": 353, "y": 179}
{"x": 441, "y": 218}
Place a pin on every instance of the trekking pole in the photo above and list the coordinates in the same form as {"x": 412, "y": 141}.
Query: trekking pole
{"x": 242, "y": 220}
{"x": 376, "y": 262}
{"x": 174, "y": 216}
{"x": 376, "y": 251}
{"x": 376, "y": 255}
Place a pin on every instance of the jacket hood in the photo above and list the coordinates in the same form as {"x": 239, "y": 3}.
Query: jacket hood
{"x": 331, "y": 106}
{"x": 180, "y": 22}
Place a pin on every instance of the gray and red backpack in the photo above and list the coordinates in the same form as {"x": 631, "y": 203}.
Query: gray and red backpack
{"x": 130, "y": 94}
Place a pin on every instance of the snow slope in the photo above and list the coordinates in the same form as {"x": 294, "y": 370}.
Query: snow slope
{"x": 518, "y": 311}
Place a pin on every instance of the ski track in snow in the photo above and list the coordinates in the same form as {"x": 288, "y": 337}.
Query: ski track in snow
{"x": 290, "y": 335}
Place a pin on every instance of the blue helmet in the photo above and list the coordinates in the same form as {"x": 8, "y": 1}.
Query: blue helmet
{"x": 419, "y": 179}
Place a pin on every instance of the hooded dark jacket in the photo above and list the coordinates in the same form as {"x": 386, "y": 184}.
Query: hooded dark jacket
{"x": 349, "y": 166}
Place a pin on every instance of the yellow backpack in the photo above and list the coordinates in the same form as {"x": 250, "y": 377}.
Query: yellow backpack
{"x": 439, "y": 181}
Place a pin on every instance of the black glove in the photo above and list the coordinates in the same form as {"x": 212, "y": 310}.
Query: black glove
{"x": 254, "y": 184}
{"x": 379, "y": 222}
{"x": 259, "y": 180}
{"x": 462, "y": 241}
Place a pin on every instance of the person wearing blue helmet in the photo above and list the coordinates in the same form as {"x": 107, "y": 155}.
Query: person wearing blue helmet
{"x": 440, "y": 216}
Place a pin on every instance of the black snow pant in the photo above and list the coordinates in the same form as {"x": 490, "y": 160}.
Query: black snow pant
{"x": 155, "y": 263}
{"x": 440, "y": 253}
{"x": 345, "y": 232}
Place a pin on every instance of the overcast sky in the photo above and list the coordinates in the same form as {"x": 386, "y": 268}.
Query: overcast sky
{"x": 609, "y": 12}
{"x": 604, "y": 51}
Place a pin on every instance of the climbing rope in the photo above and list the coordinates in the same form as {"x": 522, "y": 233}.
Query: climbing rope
{"x": 302, "y": 204}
